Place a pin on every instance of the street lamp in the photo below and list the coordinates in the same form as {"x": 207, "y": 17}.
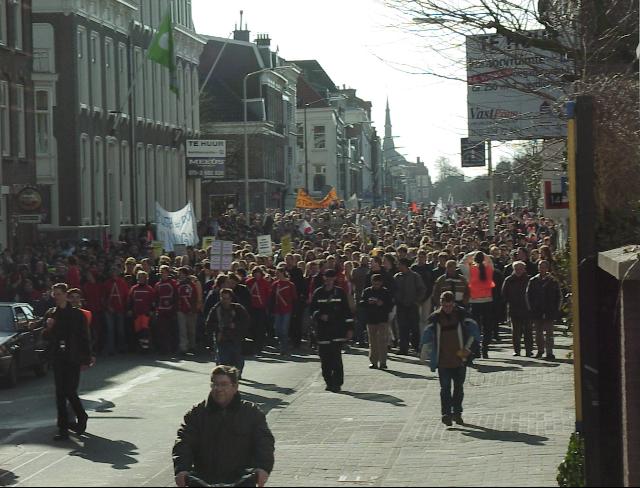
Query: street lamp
{"x": 246, "y": 134}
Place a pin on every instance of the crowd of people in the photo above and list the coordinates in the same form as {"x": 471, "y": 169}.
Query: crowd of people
{"x": 178, "y": 304}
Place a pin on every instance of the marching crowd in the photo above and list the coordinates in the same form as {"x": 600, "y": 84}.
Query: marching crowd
{"x": 374, "y": 278}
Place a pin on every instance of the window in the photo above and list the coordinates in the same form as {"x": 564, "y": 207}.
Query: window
{"x": 139, "y": 68}
{"x": 96, "y": 71}
{"x": 123, "y": 78}
{"x": 160, "y": 177}
{"x": 148, "y": 87}
{"x": 300, "y": 135}
{"x": 319, "y": 137}
{"x": 125, "y": 182}
{"x": 83, "y": 63}
{"x": 170, "y": 179}
{"x": 43, "y": 123}
{"x": 141, "y": 187}
{"x": 21, "y": 125}
{"x": 151, "y": 185}
{"x": 3, "y": 23}
{"x": 86, "y": 178}
{"x": 186, "y": 97}
{"x": 319, "y": 182}
{"x": 110, "y": 74}
{"x": 180, "y": 75}
{"x": 163, "y": 116}
{"x": 4, "y": 118}
{"x": 196, "y": 101}
{"x": 98, "y": 181}
{"x": 17, "y": 24}
{"x": 112, "y": 180}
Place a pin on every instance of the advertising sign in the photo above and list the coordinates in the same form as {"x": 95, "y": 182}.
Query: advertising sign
{"x": 206, "y": 158}
{"x": 513, "y": 91}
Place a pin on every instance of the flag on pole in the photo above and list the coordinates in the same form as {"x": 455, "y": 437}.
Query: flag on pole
{"x": 161, "y": 50}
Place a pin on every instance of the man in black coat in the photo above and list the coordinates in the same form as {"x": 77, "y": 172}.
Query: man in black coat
{"x": 514, "y": 293}
{"x": 297, "y": 278}
{"x": 224, "y": 436}
{"x": 544, "y": 298}
{"x": 332, "y": 316}
{"x": 377, "y": 303}
{"x": 70, "y": 347}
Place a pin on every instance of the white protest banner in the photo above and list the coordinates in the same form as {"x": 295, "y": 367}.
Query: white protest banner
{"x": 176, "y": 227}
{"x": 265, "y": 248}
{"x": 221, "y": 255}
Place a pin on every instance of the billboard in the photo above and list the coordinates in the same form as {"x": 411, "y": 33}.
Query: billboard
{"x": 206, "y": 158}
{"x": 513, "y": 91}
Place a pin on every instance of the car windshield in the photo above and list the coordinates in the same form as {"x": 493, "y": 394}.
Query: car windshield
{"x": 7, "y": 323}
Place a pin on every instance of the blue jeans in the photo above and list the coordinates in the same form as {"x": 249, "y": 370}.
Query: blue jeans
{"x": 447, "y": 377}
{"x": 230, "y": 354}
{"x": 281, "y": 325}
{"x": 115, "y": 332}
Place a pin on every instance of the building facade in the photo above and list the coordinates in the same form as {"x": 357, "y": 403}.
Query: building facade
{"x": 19, "y": 198}
{"x": 271, "y": 128}
{"x": 115, "y": 132}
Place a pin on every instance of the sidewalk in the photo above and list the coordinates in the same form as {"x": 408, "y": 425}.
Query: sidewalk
{"x": 385, "y": 428}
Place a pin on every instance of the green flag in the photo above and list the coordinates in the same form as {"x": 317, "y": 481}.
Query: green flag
{"x": 161, "y": 50}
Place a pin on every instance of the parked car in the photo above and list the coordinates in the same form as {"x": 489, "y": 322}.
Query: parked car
{"x": 22, "y": 345}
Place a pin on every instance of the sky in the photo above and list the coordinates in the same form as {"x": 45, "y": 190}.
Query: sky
{"x": 362, "y": 44}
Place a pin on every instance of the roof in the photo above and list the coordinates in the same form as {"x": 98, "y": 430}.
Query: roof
{"x": 316, "y": 75}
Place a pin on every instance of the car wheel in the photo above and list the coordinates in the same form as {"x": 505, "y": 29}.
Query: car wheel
{"x": 41, "y": 369}
{"x": 11, "y": 380}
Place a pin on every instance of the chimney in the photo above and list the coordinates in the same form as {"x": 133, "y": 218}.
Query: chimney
{"x": 242, "y": 34}
{"x": 263, "y": 40}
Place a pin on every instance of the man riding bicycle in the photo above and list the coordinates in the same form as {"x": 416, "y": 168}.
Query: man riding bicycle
{"x": 224, "y": 436}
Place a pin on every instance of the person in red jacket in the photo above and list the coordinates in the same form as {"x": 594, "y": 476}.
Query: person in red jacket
{"x": 93, "y": 298}
{"x": 142, "y": 299}
{"x": 167, "y": 296}
{"x": 260, "y": 293}
{"x": 187, "y": 311}
{"x": 116, "y": 293}
{"x": 283, "y": 298}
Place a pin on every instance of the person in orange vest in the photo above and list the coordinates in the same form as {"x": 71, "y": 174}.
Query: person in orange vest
{"x": 260, "y": 290}
{"x": 477, "y": 268}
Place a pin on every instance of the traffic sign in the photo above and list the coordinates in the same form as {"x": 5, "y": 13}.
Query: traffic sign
{"x": 473, "y": 153}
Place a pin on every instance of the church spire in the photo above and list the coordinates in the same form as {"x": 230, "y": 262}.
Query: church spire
{"x": 388, "y": 143}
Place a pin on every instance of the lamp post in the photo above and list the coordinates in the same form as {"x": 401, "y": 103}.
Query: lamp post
{"x": 246, "y": 134}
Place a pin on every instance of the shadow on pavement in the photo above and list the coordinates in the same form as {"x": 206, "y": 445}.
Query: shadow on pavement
{"x": 492, "y": 368}
{"x": 377, "y": 397}
{"x": 267, "y": 387}
{"x": 119, "y": 454}
{"x": 408, "y": 376}
{"x": 483, "y": 433}
{"x": 266, "y": 404}
{"x": 7, "y": 478}
{"x": 529, "y": 363}
{"x": 407, "y": 359}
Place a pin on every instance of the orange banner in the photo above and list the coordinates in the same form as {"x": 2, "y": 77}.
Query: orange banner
{"x": 304, "y": 200}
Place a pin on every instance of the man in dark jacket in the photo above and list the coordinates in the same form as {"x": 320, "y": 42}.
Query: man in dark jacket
{"x": 297, "y": 278}
{"x": 426, "y": 273}
{"x": 514, "y": 293}
{"x": 68, "y": 334}
{"x": 544, "y": 299}
{"x": 224, "y": 436}
{"x": 228, "y": 323}
{"x": 410, "y": 292}
{"x": 332, "y": 317}
{"x": 377, "y": 303}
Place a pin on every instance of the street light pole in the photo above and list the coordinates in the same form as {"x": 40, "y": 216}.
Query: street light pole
{"x": 246, "y": 135}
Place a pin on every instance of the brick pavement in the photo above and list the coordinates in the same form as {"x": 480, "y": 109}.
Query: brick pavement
{"x": 385, "y": 428}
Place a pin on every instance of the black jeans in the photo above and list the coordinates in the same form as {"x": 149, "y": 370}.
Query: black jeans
{"x": 295, "y": 326}
{"x": 484, "y": 314}
{"x": 408, "y": 317}
{"x": 331, "y": 360}
{"x": 259, "y": 328}
{"x": 67, "y": 380}
{"x": 452, "y": 405}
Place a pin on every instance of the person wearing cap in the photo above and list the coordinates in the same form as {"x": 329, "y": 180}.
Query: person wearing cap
{"x": 333, "y": 320}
